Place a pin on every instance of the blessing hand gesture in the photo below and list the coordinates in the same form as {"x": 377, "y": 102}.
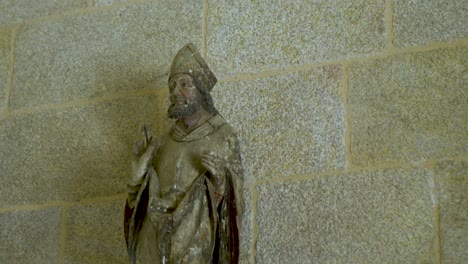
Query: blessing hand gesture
{"x": 143, "y": 152}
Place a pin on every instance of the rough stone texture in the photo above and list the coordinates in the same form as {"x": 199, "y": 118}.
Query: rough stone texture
{"x": 71, "y": 154}
{"x": 289, "y": 124}
{"x": 246, "y": 232}
{"x": 453, "y": 181}
{"x": 95, "y": 234}
{"x": 5, "y": 64}
{"x": 108, "y": 2}
{"x": 16, "y": 11}
{"x": 424, "y": 21}
{"x": 409, "y": 107}
{"x": 101, "y": 53}
{"x": 403, "y": 108}
{"x": 30, "y": 236}
{"x": 375, "y": 217}
{"x": 250, "y": 36}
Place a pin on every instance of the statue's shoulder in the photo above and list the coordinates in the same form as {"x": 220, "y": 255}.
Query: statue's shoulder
{"x": 222, "y": 126}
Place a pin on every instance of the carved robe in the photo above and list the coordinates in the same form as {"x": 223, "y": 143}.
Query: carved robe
{"x": 181, "y": 213}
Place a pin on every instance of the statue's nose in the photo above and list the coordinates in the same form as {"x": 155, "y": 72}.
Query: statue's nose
{"x": 177, "y": 89}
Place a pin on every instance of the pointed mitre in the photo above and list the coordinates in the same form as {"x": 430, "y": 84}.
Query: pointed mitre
{"x": 189, "y": 61}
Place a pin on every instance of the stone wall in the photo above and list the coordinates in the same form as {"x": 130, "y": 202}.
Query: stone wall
{"x": 352, "y": 117}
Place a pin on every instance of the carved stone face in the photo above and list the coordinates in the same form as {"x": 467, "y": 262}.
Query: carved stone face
{"x": 184, "y": 96}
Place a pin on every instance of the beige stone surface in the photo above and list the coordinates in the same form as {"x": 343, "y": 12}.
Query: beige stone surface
{"x": 251, "y": 36}
{"x": 289, "y": 124}
{"x": 246, "y": 231}
{"x": 108, "y": 2}
{"x": 95, "y": 234}
{"x": 409, "y": 107}
{"x": 101, "y": 53}
{"x": 17, "y": 11}
{"x": 71, "y": 154}
{"x": 403, "y": 109}
{"x": 422, "y": 22}
{"x": 453, "y": 181}
{"x": 5, "y": 66}
{"x": 30, "y": 236}
{"x": 369, "y": 217}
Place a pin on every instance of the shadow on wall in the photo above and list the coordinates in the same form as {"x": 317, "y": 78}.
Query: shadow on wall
{"x": 112, "y": 127}
{"x": 109, "y": 130}
{"x": 77, "y": 152}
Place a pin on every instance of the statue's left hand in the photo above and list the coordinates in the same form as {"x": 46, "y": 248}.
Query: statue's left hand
{"x": 215, "y": 165}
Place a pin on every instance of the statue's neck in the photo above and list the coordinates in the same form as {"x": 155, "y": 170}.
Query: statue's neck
{"x": 191, "y": 122}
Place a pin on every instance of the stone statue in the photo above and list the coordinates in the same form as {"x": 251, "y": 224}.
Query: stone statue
{"x": 185, "y": 193}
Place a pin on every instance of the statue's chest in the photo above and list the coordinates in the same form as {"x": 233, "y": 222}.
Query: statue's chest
{"x": 178, "y": 164}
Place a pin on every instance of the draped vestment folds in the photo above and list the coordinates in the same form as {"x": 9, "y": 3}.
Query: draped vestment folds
{"x": 181, "y": 213}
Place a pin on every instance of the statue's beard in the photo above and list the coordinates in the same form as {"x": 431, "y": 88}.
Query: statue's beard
{"x": 185, "y": 110}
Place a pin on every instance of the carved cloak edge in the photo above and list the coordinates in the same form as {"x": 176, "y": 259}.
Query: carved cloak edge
{"x": 227, "y": 236}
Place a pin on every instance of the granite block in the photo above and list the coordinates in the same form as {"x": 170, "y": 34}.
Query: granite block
{"x": 95, "y": 234}
{"x": 17, "y": 11}
{"x": 253, "y": 36}
{"x": 409, "y": 107}
{"x": 289, "y": 124}
{"x": 108, "y": 2}
{"x": 71, "y": 154}
{"x": 368, "y": 217}
{"x": 453, "y": 196}
{"x": 30, "y": 236}
{"x": 246, "y": 231}
{"x": 422, "y": 22}
{"x": 5, "y": 66}
{"x": 100, "y": 53}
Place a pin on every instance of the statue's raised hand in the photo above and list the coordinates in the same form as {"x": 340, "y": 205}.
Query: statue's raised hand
{"x": 143, "y": 152}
